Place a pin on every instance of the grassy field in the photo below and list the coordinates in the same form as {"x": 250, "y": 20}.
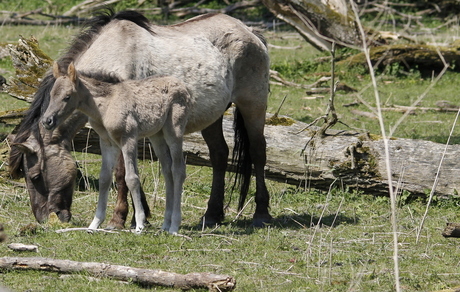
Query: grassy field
{"x": 319, "y": 241}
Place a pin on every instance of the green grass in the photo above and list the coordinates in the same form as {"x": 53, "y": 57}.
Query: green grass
{"x": 318, "y": 242}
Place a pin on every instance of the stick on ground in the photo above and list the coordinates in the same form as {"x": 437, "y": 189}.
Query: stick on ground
{"x": 146, "y": 277}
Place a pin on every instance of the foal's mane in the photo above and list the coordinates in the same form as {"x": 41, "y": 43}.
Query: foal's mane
{"x": 30, "y": 123}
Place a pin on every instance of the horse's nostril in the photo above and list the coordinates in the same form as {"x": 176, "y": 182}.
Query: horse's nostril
{"x": 48, "y": 122}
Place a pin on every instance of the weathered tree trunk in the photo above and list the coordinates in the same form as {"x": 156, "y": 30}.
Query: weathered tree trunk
{"x": 318, "y": 22}
{"x": 323, "y": 22}
{"x": 147, "y": 277}
{"x": 422, "y": 57}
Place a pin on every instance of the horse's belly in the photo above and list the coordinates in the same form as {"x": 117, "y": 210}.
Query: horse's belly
{"x": 203, "y": 115}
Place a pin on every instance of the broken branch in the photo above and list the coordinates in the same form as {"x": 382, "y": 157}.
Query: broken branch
{"x": 147, "y": 277}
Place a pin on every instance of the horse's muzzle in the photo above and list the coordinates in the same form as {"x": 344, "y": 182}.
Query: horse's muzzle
{"x": 49, "y": 122}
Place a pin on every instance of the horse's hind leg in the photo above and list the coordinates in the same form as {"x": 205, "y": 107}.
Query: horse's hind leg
{"x": 120, "y": 211}
{"x": 254, "y": 124}
{"x": 218, "y": 152}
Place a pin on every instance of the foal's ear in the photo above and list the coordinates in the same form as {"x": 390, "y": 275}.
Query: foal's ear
{"x": 72, "y": 72}
{"x": 56, "y": 72}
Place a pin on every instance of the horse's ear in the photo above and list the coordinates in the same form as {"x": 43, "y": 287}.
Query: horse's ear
{"x": 26, "y": 147}
{"x": 29, "y": 146}
{"x": 56, "y": 72}
{"x": 72, "y": 72}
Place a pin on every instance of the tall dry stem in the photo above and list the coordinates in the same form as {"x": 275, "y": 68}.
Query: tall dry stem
{"x": 387, "y": 151}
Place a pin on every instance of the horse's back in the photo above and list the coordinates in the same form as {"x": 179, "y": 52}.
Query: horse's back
{"x": 219, "y": 58}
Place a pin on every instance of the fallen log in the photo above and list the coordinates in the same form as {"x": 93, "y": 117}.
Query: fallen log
{"x": 352, "y": 159}
{"x": 344, "y": 158}
{"x": 410, "y": 56}
{"x": 146, "y": 277}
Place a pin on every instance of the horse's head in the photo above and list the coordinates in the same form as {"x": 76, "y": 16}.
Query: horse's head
{"x": 63, "y": 97}
{"x": 51, "y": 187}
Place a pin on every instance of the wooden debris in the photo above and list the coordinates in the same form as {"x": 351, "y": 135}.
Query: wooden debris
{"x": 363, "y": 114}
{"x": 3, "y": 236}
{"x": 146, "y": 277}
{"x": 284, "y": 48}
{"x": 451, "y": 230}
{"x": 42, "y": 19}
{"x": 23, "y": 247}
{"x": 409, "y": 56}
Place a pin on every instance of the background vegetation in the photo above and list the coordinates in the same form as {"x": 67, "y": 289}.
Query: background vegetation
{"x": 319, "y": 241}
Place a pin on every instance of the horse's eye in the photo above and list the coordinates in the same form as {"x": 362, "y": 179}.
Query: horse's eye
{"x": 66, "y": 98}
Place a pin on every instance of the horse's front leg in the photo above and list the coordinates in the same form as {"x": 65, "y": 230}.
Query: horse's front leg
{"x": 120, "y": 211}
{"x": 129, "y": 150}
{"x": 109, "y": 153}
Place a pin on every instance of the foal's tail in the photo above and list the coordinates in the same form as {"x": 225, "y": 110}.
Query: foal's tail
{"x": 241, "y": 158}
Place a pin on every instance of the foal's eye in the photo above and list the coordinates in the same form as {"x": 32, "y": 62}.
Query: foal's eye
{"x": 66, "y": 98}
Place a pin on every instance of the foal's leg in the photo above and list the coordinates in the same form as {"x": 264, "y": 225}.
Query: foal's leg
{"x": 129, "y": 150}
{"x": 164, "y": 156}
{"x": 173, "y": 132}
{"x": 109, "y": 155}
{"x": 218, "y": 152}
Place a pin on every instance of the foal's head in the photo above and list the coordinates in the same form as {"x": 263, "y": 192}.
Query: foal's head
{"x": 63, "y": 97}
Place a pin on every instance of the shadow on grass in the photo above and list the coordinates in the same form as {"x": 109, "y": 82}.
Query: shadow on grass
{"x": 291, "y": 222}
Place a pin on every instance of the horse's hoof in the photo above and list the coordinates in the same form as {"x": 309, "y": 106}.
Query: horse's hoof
{"x": 261, "y": 221}
{"x": 146, "y": 224}
{"x": 114, "y": 226}
{"x": 210, "y": 222}
{"x": 139, "y": 230}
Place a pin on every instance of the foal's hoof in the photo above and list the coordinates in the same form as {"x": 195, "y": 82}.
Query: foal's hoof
{"x": 260, "y": 221}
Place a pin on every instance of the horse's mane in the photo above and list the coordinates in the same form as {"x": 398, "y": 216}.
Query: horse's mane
{"x": 93, "y": 26}
{"x": 29, "y": 124}
{"x": 102, "y": 76}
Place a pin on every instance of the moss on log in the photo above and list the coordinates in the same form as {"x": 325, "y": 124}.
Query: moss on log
{"x": 31, "y": 64}
{"x": 410, "y": 56}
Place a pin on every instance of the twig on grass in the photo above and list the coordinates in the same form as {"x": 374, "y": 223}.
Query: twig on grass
{"x": 87, "y": 230}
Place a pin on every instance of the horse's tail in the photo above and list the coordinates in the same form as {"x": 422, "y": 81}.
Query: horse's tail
{"x": 241, "y": 158}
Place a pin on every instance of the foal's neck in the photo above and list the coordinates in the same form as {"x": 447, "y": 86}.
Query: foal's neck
{"x": 95, "y": 97}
